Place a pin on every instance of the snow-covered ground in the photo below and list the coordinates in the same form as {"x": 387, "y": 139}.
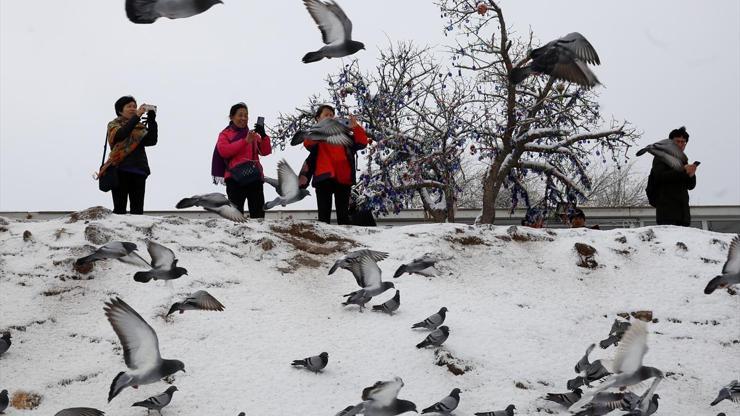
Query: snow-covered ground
{"x": 521, "y": 313}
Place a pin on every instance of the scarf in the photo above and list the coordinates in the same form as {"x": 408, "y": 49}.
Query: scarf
{"x": 123, "y": 148}
{"x": 218, "y": 163}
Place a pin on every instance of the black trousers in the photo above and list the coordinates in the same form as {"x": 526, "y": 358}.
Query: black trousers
{"x": 341, "y": 193}
{"x": 131, "y": 187}
{"x": 252, "y": 193}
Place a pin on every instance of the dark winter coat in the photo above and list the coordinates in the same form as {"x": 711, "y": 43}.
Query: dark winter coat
{"x": 136, "y": 161}
{"x": 672, "y": 203}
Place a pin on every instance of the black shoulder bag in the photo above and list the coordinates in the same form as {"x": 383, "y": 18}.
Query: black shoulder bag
{"x": 109, "y": 179}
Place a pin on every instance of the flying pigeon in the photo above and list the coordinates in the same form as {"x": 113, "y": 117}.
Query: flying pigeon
{"x": 423, "y": 266}
{"x": 432, "y": 321}
{"x": 652, "y": 408}
{"x": 5, "y": 343}
{"x": 329, "y": 130}
{"x": 607, "y": 402}
{"x": 147, "y": 11}
{"x": 508, "y": 412}
{"x": 287, "y": 186}
{"x": 369, "y": 278}
{"x": 214, "y": 202}
{"x": 564, "y": 59}
{"x": 587, "y": 371}
{"x": 730, "y": 392}
{"x": 200, "y": 300}
{"x": 315, "y": 363}
{"x": 336, "y": 31}
{"x": 4, "y": 401}
{"x": 565, "y": 399}
{"x": 164, "y": 265}
{"x": 140, "y": 349}
{"x": 381, "y": 399}
{"x": 159, "y": 401}
{"x": 730, "y": 271}
{"x": 80, "y": 411}
{"x": 627, "y": 367}
{"x": 446, "y": 405}
{"x": 667, "y": 151}
{"x": 120, "y": 250}
{"x": 391, "y": 305}
{"x": 352, "y": 262}
{"x": 615, "y": 334}
{"x": 435, "y": 338}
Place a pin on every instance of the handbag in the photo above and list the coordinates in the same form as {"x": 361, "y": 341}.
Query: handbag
{"x": 246, "y": 173}
{"x": 109, "y": 179}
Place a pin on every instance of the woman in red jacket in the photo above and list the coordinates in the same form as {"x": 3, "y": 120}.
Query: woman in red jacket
{"x": 240, "y": 149}
{"x": 334, "y": 171}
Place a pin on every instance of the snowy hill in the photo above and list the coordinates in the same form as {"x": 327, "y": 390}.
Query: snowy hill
{"x": 521, "y": 313}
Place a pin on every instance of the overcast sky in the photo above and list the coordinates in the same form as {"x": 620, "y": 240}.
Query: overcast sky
{"x": 665, "y": 64}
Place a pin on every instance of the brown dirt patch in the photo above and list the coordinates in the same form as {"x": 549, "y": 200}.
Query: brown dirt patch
{"x": 93, "y": 213}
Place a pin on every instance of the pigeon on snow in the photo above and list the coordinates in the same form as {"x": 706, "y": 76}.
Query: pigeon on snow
{"x": 432, "y": 321}
{"x": 140, "y": 349}
{"x": 423, "y": 266}
{"x": 564, "y": 59}
{"x": 381, "y": 399}
{"x": 652, "y": 408}
{"x": 667, "y": 151}
{"x": 587, "y": 371}
{"x": 351, "y": 262}
{"x": 147, "y": 11}
{"x": 120, "y": 250}
{"x": 391, "y": 305}
{"x": 730, "y": 271}
{"x": 80, "y": 411}
{"x": 159, "y": 401}
{"x": 5, "y": 343}
{"x": 164, "y": 265}
{"x": 607, "y": 402}
{"x": 214, "y": 202}
{"x": 4, "y": 401}
{"x": 615, "y": 334}
{"x": 287, "y": 186}
{"x": 200, "y": 300}
{"x": 565, "y": 399}
{"x": 370, "y": 281}
{"x": 315, "y": 363}
{"x": 336, "y": 31}
{"x": 435, "y": 338}
{"x": 729, "y": 392}
{"x": 446, "y": 405}
{"x": 509, "y": 411}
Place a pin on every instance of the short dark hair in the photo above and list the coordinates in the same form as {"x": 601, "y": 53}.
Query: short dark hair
{"x": 321, "y": 109}
{"x": 121, "y": 102}
{"x": 236, "y": 107}
{"x": 679, "y": 132}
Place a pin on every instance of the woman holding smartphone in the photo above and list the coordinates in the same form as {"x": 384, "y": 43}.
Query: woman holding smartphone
{"x": 236, "y": 160}
{"x": 128, "y": 136}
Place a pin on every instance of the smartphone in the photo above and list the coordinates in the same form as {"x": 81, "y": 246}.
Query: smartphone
{"x": 697, "y": 163}
{"x": 261, "y": 121}
{"x": 149, "y": 107}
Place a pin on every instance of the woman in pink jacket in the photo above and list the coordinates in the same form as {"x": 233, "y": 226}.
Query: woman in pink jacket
{"x": 236, "y": 160}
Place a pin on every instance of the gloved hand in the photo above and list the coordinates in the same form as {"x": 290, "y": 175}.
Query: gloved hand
{"x": 151, "y": 116}
{"x": 260, "y": 129}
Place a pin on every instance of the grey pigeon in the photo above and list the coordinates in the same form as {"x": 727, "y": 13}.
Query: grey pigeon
{"x": 627, "y": 367}
{"x": 564, "y": 59}
{"x": 730, "y": 271}
{"x": 164, "y": 265}
{"x": 423, "y": 266}
{"x": 242, "y": 414}
{"x": 5, "y": 342}
{"x": 607, "y": 402}
{"x": 157, "y": 402}
{"x": 80, "y": 411}
{"x": 140, "y": 349}
{"x": 667, "y": 151}
{"x": 147, "y": 11}
{"x": 565, "y": 399}
{"x": 509, "y": 411}
{"x": 315, "y": 363}
{"x": 391, "y": 305}
{"x": 435, "y": 338}
{"x": 587, "y": 371}
{"x": 433, "y": 321}
{"x": 119, "y": 250}
{"x": 381, "y": 399}
{"x": 615, "y": 334}
{"x": 371, "y": 282}
{"x": 213, "y": 202}
{"x": 200, "y": 300}
{"x": 652, "y": 408}
{"x": 352, "y": 262}
{"x": 729, "y": 392}
{"x": 4, "y": 401}
{"x": 336, "y": 31}
{"x": 446, "y": 405}
{"x": 287, "y": 186}
{"x": 329, "y": 130}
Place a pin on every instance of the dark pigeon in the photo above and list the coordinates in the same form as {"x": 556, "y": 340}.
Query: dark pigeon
{"x": 164, "y": 265}
{"x": 5, "y": 343}
{"x": 391, "y": 305}
{"x": 80, "y": 411}
{"x": 200, "y": 300}
{"x": 435, "y": 338}
{"x": 119, "y": 250}
{"x": 509, "y": 411}
{"x": 730, "y": 271}
{"x": 423, "y": 266}
{"x": 4, "y": 401}
{"x": 565, "y": 399}
{"x": 381, "y": 399}
{"x": 315, "y": 363}
{"x": 159, "y": 401}
{"x": 214, "y": 202}
{"x": 729, "y": 392}
{"x": 446, "y": 405}
{"x": 564, "y": 59}
{"x": 432, "y": 321}
{"x": 147, "y": 11}
{"x": 336, "y": 31}
{"x": 615, "y": 334}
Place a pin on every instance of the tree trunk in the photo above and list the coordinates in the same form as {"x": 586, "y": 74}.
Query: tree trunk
{"x": 491, "y": 187}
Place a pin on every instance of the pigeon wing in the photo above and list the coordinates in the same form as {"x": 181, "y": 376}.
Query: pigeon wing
{"x": 288, "y": 180}
{"x": 732, "y": 265}
{"x": 383, "y": 393}
{"x": 214, "y": 199}
{"x": 162, "y": 257}
{"x": 574, "y": 71}
{"x": 331, "y": 26}
{"x": 139, "y": 341}
{"x": 80, "y": 411}
{"x": 632, "y": 348}
{"x": 581, "y": 47}
{"x": 339, "y": 13}
{"x": 370, "y": 273}
{"x": 204, "y": 301}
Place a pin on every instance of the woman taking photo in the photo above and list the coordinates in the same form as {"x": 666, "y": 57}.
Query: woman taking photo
{"x": 127, "y": 137}
{"x": 236, "y": 160}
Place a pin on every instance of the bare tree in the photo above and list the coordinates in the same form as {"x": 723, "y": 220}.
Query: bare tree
{"x": 539, "y": 127}
{"x": 616, "y": 186}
